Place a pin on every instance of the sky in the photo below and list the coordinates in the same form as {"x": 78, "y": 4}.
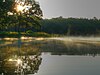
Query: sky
{"x": 70, "y": 8}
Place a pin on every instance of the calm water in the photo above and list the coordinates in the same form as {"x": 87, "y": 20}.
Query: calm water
{"x": 69, "y": 65}
{"x": 49, "y": 57}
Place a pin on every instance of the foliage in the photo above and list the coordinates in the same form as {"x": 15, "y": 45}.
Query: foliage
{"x": 27, "y": 34}
{"x": 13, "y": 20}
{"x": 71, "y": 26}
{"x": 54, "y": 27}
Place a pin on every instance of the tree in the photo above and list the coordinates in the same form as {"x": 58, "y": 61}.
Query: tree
{"x": 24, "y": 12}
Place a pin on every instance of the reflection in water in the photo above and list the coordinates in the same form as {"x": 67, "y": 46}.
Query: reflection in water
{"x": 30, "y": 59}
{"x": 22, "y": 65}
{"x": 56, "y": 47}
{"x": 53, "y": 46}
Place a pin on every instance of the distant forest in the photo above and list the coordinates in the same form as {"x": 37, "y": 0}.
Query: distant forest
{"x": 72, "y": 26}
{"x": 64, "y": 26}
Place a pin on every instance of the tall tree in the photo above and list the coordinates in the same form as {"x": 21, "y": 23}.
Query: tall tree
{"x": 26, "y": 12}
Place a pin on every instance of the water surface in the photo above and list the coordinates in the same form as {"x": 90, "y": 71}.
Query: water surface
{"x": 50, "y": 56}
{"x": 69, "y": 65}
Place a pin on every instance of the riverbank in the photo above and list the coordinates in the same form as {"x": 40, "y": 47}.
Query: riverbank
{"x": 25, "y": 34}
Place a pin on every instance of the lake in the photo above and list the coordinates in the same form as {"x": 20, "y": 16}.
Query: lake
{"x": 50, "y": 56}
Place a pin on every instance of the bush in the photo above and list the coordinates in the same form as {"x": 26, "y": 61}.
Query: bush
{"x": 39, "y": 34}
{"x": 8, "y": 34}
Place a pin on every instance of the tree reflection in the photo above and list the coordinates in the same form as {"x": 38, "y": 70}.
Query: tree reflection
{"x": 55, "y": 47}
{"x": 22, "y": 65}
{"x": 28, "y": 58}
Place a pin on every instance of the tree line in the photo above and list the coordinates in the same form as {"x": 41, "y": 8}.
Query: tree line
{"x": 71, "y": 26}
{"x": 14, "y": 20}
{"x": 59, "y": 25}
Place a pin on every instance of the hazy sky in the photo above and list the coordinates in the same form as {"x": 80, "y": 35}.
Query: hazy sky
{"x": 70, "y": 8}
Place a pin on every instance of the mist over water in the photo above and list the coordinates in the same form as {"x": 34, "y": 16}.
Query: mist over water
{"x": 77, "y": 38}
{"x": 46, "y": 56}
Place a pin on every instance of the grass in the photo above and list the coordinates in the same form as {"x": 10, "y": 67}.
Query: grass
{"x": 26, "y": 34}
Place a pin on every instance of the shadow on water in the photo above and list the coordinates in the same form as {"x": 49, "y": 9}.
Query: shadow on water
{"x": 22, "y": 57}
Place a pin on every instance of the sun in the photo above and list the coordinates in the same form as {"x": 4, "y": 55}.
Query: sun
{"x": 20, "y": 8}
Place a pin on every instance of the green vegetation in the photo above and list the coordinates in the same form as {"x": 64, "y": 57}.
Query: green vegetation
{"x": 72, "y": 26}
{"x": 17, "y": 23}
{"x": 27, "y": 34}
{"x": 57, "y": 27}
{"x": 19, "y": 16}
